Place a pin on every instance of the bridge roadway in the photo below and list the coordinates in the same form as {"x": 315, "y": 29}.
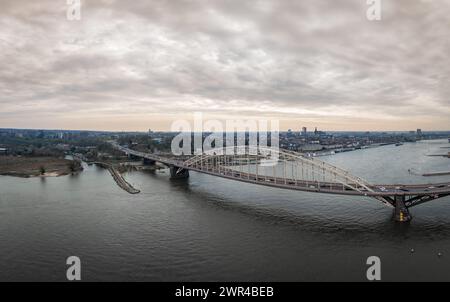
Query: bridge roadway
{"x": 400, "y": 196}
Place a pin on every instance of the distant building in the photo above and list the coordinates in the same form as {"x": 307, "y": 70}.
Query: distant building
{"x": 419, "y": 133}
{"x": 315, "y": 131}
{"x": 3, "y": 151}
{"x": 304, "y": 130}
{"x": 311, "y": 147}
{"x": 63, "y": 147}
{"x": 289, "y": 133}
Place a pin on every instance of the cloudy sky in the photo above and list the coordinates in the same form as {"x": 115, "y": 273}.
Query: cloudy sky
{"x": 135, "y": 65}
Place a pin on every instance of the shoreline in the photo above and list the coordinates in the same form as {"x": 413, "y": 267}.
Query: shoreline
{"x": 46, "y": 175}
{"x": 31, "y": 167}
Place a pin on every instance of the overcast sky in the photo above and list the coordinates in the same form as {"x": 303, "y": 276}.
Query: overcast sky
{"x": 135, "y": 65}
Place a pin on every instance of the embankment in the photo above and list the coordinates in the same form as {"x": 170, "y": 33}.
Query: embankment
{"x": 118, "y": 178}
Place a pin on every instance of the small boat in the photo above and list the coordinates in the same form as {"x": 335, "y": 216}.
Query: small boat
{"x": 398, "y": 144}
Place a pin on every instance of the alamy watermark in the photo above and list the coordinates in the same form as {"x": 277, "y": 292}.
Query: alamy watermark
{"x": 373, "y": 12}
{"x": 73, "y": 273}
{"x": 232, "y": 137}
{"x": 374, "y": 271}
{"x": 73, "y": 12}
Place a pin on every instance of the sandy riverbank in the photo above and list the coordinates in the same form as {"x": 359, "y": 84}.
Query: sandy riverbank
{"x": 37, "y": 166}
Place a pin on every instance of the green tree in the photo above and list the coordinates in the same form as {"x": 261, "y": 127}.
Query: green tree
{"x": 74, "y": 166}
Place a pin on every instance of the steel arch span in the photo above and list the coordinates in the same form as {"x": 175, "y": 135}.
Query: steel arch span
{"x": 291, "y": 170}
{"x": 302, "y": 168}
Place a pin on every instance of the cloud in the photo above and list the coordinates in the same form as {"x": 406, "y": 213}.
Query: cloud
{"x": 315, "y": 61}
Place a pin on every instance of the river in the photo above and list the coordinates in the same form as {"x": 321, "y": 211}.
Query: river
{"x": 213, "y": 229}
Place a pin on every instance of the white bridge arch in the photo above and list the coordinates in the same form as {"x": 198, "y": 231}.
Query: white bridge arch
{"x": 296, "y": 169}
{"x": 262, "y": 166}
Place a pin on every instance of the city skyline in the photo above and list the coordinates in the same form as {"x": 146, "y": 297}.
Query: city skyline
{"x": 299, "y": 130}
{"x": 135, "y": 66}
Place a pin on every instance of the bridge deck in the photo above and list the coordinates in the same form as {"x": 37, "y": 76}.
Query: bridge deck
{"x": 325, "y": 187}
{"x": 382, "y": 190}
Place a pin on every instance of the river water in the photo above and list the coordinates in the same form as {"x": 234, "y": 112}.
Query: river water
{"x": 212, "y": 229}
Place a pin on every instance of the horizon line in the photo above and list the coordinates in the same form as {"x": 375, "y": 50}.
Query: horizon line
{"x": 170, "y": 131}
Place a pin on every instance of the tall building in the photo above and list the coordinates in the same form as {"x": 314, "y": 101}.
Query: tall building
{"x": 304, "y": 131}
{"x": 419, "y": 133}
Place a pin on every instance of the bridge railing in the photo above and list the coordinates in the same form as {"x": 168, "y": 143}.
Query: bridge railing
{"x": 316, "y": 168}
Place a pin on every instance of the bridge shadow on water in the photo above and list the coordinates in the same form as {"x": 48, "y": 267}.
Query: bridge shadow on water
{"x": 374, "y": 221}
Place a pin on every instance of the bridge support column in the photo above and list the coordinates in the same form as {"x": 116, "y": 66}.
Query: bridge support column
{"x": 178, "y": 173}
{"x": 133, "y": 157}
{"x": 148, "y": 162}
{"x": 401, "y": 213}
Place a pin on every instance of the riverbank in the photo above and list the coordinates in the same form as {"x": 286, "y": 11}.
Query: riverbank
{"x": 439, "y": 173}
{"x": 26, "y": 167}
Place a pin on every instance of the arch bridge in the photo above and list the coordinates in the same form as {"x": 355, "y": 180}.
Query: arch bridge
{"x": 294, "y": 171}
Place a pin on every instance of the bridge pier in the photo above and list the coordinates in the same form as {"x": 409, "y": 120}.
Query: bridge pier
{"x": 148, "y": 162}
{"x": 133, "y": 157}
{"x": 401, "y": 213}
{"x": 178, "y": 173}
